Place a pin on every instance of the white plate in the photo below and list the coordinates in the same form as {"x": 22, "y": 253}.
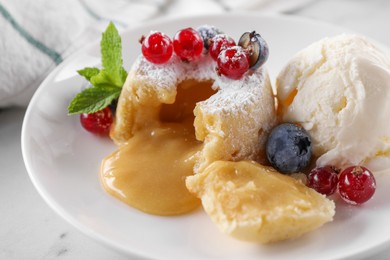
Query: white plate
{"x": 63, "y": 162}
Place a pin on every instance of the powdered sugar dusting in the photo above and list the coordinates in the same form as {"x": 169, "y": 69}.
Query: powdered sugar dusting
{"x": 208, "y": 30}
{"x": 237, "y": 92}
{"x": 167, "y": 76}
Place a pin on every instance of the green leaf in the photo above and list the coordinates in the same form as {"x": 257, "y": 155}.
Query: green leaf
{"x": 111, "y": 49}
{"x": 107, "y": 82}
{"x": 88, "y": 73}
{"x": 93, "y": 99}
{"x": 102, "y": 79}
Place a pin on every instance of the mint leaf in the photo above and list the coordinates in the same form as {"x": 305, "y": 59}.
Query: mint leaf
{"x": 107, "y": 82}
{"x": 111, "y": 49}
{"x": 88, "y": 73}
{"x": 103, "y": 78}
{"x": 93, "y": 99}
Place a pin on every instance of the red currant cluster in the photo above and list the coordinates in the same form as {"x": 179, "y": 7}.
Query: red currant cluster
{"x": 233, "y": 61}
{"x": 355, "y": 184}
{"x": 158, "y": 47}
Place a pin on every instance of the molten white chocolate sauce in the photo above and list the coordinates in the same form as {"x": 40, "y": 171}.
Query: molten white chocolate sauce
{"x": 149, "y": 171}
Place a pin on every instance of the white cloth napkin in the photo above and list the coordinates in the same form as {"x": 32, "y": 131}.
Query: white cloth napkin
{"x": 36, "y": 36}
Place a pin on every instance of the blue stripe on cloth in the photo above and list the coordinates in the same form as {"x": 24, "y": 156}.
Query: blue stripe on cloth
{"x": 55, "y": 56}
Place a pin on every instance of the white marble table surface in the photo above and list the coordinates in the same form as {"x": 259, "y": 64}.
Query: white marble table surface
{"x": 29, "y": 229}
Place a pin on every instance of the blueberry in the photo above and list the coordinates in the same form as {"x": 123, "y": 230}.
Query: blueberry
{"x": 257, "y": 48}
{"x": 289, "y": 148}
{"x": 208, "y": 32}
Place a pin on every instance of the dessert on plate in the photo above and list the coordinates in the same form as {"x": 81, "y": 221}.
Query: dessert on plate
{"x": 196, "y": 122}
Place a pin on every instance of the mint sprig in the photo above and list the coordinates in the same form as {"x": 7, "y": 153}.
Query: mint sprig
{"x": 106, "y": 82}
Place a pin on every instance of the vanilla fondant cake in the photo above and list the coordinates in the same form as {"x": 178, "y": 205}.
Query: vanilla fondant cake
{"x": 232, "y": 123}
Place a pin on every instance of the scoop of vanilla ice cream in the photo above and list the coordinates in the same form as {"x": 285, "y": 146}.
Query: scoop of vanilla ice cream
{"x": 338, "y": 89}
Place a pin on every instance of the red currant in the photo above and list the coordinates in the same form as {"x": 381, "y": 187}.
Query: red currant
{"x": 219, "y": 43}
{"x": 99, "y": 122}
{"x": 323, "y": 180}
{"x": 188, "y": 44}
{"x": 157, "y": 47}
{"x": 356, "y": 185}
{"x": 233, "y": 62}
